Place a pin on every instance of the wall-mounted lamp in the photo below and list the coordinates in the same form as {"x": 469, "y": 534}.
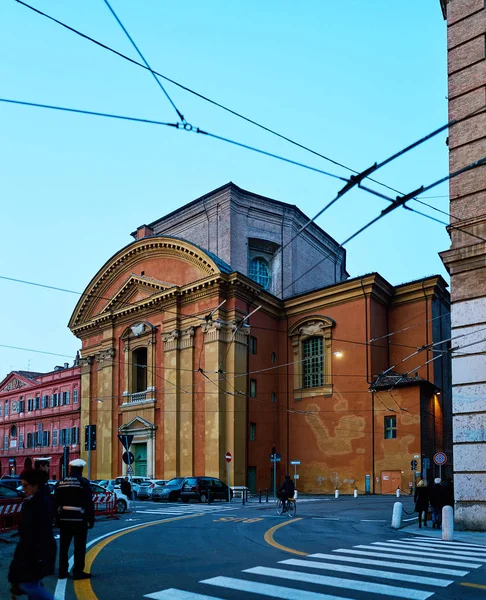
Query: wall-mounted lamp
{"x": 338, "y": 354}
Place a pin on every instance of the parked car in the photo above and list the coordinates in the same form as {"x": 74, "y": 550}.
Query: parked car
{"x": 12, "y": 481}
{"x": 136, "y": 481}
{"x": 198, "y": 488}
{"x": 108, "y": 484}
{"x": 147, "y": 487}
{"x": 121, "y": 500}
{"x": 9, "y": 492}
{"x": 170, "y": 492}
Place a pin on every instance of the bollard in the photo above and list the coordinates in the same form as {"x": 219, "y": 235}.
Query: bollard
{"x": 209, "y": 496}
{"x": 260, "y": 496}
{"x": 447, "y": 523}
{"x": 397, "y": 515}
{"x": 296, "y": 494}
{"x": 243, "y": 496}
{"x": 267, "y": 495}
{"x": 398, "y": 492}
{"x": 336, "y": 494}
{"x": 355, "y": 494}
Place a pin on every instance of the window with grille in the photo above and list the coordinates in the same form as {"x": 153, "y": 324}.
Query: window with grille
{"x": 252, "y": 432}
{"x": 253, "y": 388}
{"x": 390, "y": 427}
{"x": 259, "y": 272}
{"x": 75, "y": 396}
{"x": 54, "y": 437}
{"x": 21, "y": 440}
{"x": 5, "y": 441}
{"x": 6, "y": 408}
{"x": 313, "y": 363}
{"x": 45, "y": 401}
{"x": 37, "y": 403}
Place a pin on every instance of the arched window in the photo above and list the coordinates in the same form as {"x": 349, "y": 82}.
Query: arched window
{"x": 259, "y": 272}
{"x": 13, "y": 431}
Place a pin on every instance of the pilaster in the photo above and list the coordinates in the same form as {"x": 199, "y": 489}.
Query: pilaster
{"x": 171, "y": 404}
{"x": 104, "y": 430}
{"x": 85, "y": 400}
{"x": 186, "y": 395}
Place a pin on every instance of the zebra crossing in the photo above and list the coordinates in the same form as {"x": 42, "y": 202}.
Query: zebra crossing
{"x": 413, "y": 568}
{"x": 177, "y": 509}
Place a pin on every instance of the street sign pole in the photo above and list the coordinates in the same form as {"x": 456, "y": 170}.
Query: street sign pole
{"x": 275, "y": 480}
{"x": 89, "y": 452}
{"x": 229, "y": 481}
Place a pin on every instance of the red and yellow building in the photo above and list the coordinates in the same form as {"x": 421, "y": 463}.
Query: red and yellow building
{"x": 352, "y": 379}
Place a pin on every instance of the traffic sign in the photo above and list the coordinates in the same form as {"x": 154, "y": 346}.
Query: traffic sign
{"x": 413, "y": 464}
{"x": 275, "y": 458}
{"x": 296, "y": 476}
{"x": 228, "y": 457}
{"x": 130, "y": 470}
{"x": 128, "y": 458}
{"x": 440, "y": 458}
{"x": 295, "y": 462}
{"x": 126, "y": 440}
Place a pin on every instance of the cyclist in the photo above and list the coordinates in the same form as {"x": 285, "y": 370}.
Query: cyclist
{"x": 286, "y": 491}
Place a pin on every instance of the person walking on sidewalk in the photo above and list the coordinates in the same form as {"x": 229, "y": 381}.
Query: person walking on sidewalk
{"x": 75, "y": 515}
{"x": 35, "y": 554}
{"x": 421, "y": 499}
{"x": 436, "y": 498}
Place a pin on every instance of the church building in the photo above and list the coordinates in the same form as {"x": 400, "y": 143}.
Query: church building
{"x": 229, "y": 325}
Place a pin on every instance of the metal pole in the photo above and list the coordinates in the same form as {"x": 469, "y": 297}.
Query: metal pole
{"x": 440, "y": 472}
{"x": 275, "y": 479}
{"x": 89, "y": 452}
{"x": 229, "y": 482}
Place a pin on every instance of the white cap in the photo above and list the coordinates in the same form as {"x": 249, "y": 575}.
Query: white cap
{"x": 77, "y": 462}
{"x": 437, "y": 480}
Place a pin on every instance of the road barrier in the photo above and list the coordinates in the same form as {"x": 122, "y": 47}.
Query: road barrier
{"x": 397, "y": 515}
{"x": 10, "y": 510}
{"x": 448, "y": 523}
{"x": 104, "y": 504}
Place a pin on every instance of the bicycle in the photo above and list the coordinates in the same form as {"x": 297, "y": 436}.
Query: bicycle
{"x": 291, "y": 508}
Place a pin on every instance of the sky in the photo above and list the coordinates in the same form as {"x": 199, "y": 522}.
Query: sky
{"x": 353, "y": 80}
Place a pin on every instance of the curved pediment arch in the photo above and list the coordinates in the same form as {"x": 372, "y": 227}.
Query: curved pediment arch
{"x": 311, "y": 325}
{"x": 160, "y": 259}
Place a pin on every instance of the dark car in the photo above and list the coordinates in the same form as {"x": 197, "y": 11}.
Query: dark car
{"x": 171, "y": 491}
{"x": 11, "y": 481}
{"x": 7, "y": 491}
{"x": 199, "y": 488}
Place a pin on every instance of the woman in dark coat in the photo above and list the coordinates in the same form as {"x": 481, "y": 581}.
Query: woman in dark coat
{"x": 421, "y": 499}
{"x": 35, "y": 555}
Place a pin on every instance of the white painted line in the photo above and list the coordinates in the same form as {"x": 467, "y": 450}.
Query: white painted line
{"x": 394, "y": 576}
{"x": 327, "y": 518}
{"x": 266, "y": 589}
{"x": 445, "y": 543}
{"x": 433, "y": 545}
{"x": 419, "y": 548}
{"x": 412, "y": 519}
{"x": 373, "y": 520}
{"x": 340, "y": 582}
{"x": 388, "y": 563}
{"x": 173, "y": 594}
{"x": 395, "y": 556}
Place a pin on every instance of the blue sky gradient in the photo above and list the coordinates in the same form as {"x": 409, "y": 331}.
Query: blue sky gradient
{"x": 354, "y": 80}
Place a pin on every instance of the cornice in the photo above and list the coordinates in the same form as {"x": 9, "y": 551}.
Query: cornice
{"x": 429, "y": 287}
{"x": 464, "y": 258}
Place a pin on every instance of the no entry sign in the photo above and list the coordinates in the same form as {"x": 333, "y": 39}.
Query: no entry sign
{"x": 228, "y": 457}
{"x": 440, "y": 458}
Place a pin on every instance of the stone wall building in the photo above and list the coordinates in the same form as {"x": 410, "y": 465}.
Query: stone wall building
{"x": 39, "y": 417}
{"x": 324, "y": 376}
{"x": 466, "y": 259}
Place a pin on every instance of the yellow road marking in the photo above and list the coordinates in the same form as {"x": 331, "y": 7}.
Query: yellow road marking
{"x": 269, "y": 538}
{"x": 474, "y": 585}
{"x": 82, "y": 587}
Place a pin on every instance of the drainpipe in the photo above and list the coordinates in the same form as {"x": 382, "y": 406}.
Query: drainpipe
{"x": 426, "y": 328}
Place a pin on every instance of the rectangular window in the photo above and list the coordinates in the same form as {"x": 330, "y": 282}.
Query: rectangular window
{"x": 253, "y": 388}
{"x": 45, "y": 401}
{"x": 313, "y": 363}
{"x": 6, "y": 408}
{"x": 62, "y": 437}
{"x": 46, "y": 438}
{"x": 252, "y": 432}
{"x": 21, "y": 440}
{"x": 29, "y": 440}
{"x": 75, "y": 435}
{"x": 21, "y": 406}
{"x": 54, "y": 400}
{"x": 37, "y": 403}
{"x": 5, "y": 442}
{"x": 390, "y": 428}
{"x": 68, "y": 397}
{"x": 75, "y": 396}
{"x": 54, "y": 437}
{"x": 253, "y": 345}
{"x": 0, "y": 410}
{"x": 30, "y": 403}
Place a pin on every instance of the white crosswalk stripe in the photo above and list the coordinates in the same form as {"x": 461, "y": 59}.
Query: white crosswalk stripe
{"x": 353, "y": 572}
{"x": 184, "y": 509}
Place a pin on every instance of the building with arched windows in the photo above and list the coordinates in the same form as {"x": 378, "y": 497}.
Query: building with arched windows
{"x": 171, "y": 356}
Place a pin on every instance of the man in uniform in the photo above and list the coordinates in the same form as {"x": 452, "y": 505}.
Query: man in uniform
{"x": 75, "y": 515}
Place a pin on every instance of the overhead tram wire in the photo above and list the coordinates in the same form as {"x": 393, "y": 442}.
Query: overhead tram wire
{"x": 213, "y": 102}
{"x": 157, "y": 81}
{"x": 180, "y": 126}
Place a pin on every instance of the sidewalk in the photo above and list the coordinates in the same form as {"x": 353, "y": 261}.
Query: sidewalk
{"x": 469, "y": 537}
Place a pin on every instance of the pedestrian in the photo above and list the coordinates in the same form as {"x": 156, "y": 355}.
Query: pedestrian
{"x": 74, "y": 515}
{"x": 421, "y": 499}
{"x": 42, "y": 466}
{"x": 436, "y": 502}
{"x": 35, "y": 554}
{"x": 126, "y": 488}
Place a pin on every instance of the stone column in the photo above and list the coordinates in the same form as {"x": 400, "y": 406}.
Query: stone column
{"x": 186, "y": 379}
{"x": 104, "y": 429}
{"x": 171, "y": 404}
{"x": 215, "y": 425}
{"x": 85, "y": 403}
{"x": 150, "y": 455}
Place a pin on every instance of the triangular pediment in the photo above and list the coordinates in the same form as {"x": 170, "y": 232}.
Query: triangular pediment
{"x": 136, "y": 424}
{"x": 135, "y": 289}
{"x": 13, "y": 382}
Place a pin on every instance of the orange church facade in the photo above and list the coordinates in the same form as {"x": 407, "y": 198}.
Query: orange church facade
{"x": 324, "y": 377}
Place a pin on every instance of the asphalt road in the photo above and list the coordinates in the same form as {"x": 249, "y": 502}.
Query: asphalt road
{"x": 221, "y": 551}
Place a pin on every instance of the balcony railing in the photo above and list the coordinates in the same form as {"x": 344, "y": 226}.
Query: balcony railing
{"x": 137, "y": 398}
